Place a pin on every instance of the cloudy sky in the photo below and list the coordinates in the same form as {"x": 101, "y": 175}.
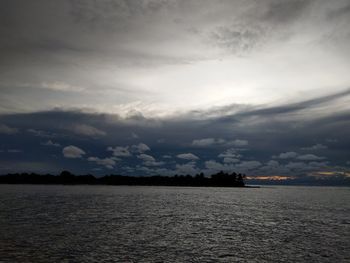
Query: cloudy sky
{"x": 165, "y": 86}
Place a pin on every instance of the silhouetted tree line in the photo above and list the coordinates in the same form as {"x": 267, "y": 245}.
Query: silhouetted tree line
{"x": 218, "y": 179}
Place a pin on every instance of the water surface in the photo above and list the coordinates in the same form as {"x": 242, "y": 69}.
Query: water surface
{"x": 40, "y": 223}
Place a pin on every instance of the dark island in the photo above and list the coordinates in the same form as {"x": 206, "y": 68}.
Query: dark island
{"x": 221, "y": 179}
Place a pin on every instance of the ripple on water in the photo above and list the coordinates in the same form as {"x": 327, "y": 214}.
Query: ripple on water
{"x": 173, "y": 224}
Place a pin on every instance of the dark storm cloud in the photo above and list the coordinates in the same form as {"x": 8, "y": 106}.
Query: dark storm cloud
{"x": 285, "y": 11}
{"x": 341, "y": 12}
{"x": 235, "y": 143}
{"x": 84, "y": 27}
{"x": 285, "y": 109}
{"x": 77, "y": 28}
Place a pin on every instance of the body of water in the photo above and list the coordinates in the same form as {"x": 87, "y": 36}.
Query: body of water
{"x": 41, "y": 223}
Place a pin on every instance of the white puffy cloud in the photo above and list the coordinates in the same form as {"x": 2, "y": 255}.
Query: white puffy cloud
{"x": 125, "y": 151}
{"x": 140, "y": 148}
{"x": 230, "y": 153}
{"x": 310, "y": 157}
{"x": 72, "y": 151}
{"x": 87, "y": 130}
{"x": 120, "y": 151}
{"x": 107, "y": 162}
{"x": 187, "y": 156}
{"x": 146, "y": 157}
{"x": 149, "y": 160}
{"x": 4, "y": 129}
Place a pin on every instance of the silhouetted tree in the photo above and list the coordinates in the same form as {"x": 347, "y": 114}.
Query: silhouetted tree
{"x": 65, "y": 177}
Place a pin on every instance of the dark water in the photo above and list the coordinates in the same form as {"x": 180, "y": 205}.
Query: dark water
{"x": 173, "y": 224}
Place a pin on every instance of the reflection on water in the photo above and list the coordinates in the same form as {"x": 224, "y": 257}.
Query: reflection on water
{"x": 173, "y": 224}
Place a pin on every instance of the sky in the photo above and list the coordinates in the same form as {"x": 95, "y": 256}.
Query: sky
{"x": 176, "y": 87}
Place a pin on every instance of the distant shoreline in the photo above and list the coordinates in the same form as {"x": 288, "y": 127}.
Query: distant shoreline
{"x": 220, "y": 179}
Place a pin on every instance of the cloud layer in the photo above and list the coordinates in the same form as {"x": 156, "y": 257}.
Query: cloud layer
{"x": 260, "y": 142}
{"x": 161, "y": 57}
{"x": 181, "y": 86}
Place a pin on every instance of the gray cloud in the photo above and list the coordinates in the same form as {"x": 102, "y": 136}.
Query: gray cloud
{"x": 73, "y": 152}
{"x": 238, "y": 143}
{"x": 187, "y": 156}
{"x": 315, "y": 147}
{"x": 230, "y": 153}
{"x": 285, "y": 11}
{"x": 232, "y": 82}
{"x": 51, "y": 143}
{"x": 310, "y": 157}
{"x": 140, "y": 148}
{"x": 208, "y": 142}
{"x": 146, "y": 157}
{"x": 230, "y": 160}
{"x": 149, "y": 160}
{"x": 107, "y": 162}
{"x": 83, "y": 54}
{"x": 4, "y": 129}
{"x": 287, "y": 155}
{"x": 288, "y": 108}
{"x": 188, "y": 168}
{"x": 120, "y": 151}
{"x": 87, "y": 130}
{"x": 340, "y": 12}
{"x": 278, "y": 137}
{"x": 238, "y": 38}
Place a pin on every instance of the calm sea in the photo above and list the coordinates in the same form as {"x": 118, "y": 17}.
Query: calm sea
{"x": 174, "y": 224}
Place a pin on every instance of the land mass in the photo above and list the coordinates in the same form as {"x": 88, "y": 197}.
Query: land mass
{"x": 219, "y": 179}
